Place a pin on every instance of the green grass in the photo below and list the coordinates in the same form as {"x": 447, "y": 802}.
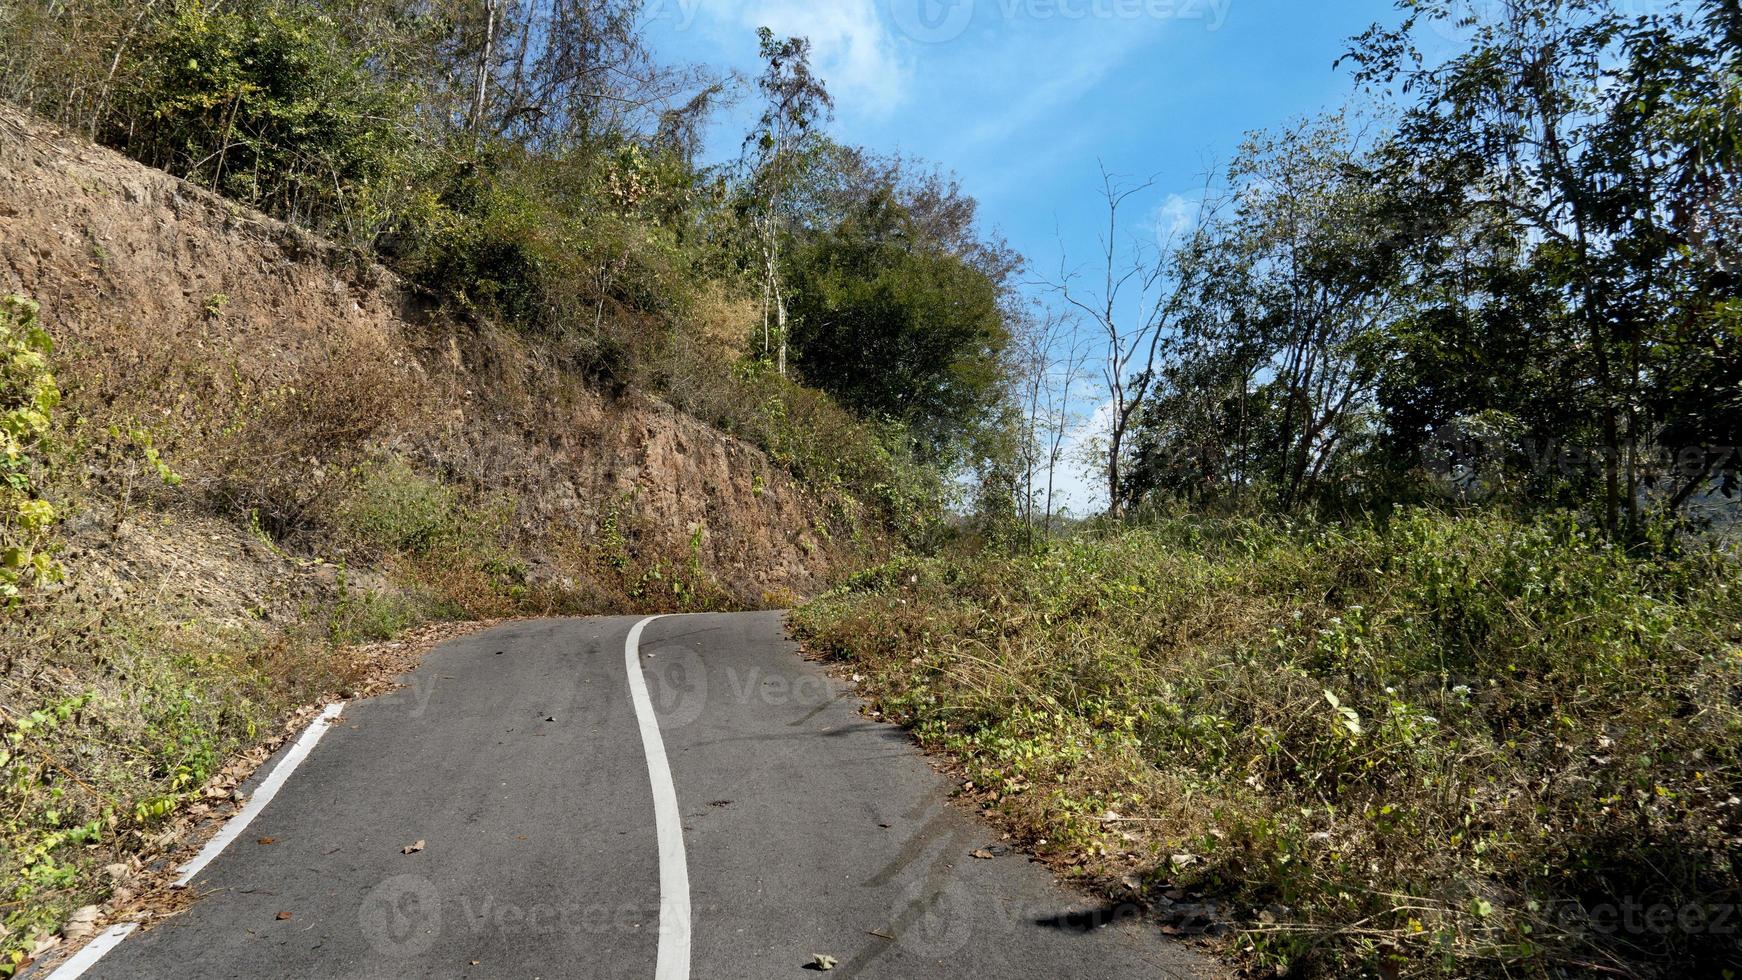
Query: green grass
{"x": 112, "y": 721}
{"x": 1442, "y": 747}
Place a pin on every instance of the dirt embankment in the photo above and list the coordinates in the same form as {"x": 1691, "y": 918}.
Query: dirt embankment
{"x": 269, "y": 366}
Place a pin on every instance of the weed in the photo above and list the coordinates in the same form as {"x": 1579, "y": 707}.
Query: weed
{"x": 110, "y": 724}
{"x": 1433, "y": 747}
{"x": 28, "y": 399}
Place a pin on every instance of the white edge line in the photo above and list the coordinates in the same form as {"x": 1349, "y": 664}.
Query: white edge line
{"x": 674, "y": 879}
{"x": 263, "y": 794}
{"x": 86, "y": 958}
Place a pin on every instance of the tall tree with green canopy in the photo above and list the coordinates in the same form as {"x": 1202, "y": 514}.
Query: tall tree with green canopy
{"x": 795, "y": 101}
{"x": 897, "y": 328}
{"x": 1605, "y": 143}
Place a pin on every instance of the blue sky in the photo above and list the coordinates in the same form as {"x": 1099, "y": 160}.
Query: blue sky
{"x": 1024, "y": 99}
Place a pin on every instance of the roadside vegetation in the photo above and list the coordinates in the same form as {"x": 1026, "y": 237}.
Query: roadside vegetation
{"x": 1408, "y": 643}
{"x": 529, "y": 163}
{"x": 537, "y": 180}
{"x": 1442, "y": 745}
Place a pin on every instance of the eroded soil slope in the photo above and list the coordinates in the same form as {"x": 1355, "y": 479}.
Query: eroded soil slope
{"x": 269, "y": 364}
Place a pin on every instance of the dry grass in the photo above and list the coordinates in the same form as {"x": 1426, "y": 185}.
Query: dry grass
{"x": 722, "y": 321}
{"x": 1446, "y": 747}
{"x": 115, "y": 718}
{"x": 302, "y": 444}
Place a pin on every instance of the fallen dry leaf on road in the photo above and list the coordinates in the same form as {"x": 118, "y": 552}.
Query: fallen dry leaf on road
{"x": 981, "y": 853}
{"x": 282, "y": 916}
{"x": 412, "y": 848}
{"x": 267, "y": 840}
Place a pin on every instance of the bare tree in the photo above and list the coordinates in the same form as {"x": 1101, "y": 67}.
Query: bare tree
{"x": 1048, "y": 362}
{"x": 1143, "y": 291}
{"x": 1068, "y": 370}
{"x": 1030, "y": 362}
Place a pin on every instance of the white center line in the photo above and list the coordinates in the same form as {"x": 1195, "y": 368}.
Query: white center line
{"x": 232, "y": 829}
{"x": 674, "y": 876}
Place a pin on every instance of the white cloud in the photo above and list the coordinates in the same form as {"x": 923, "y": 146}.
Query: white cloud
{"x": 851, "y": 48}
{"x": 1030, "y": 101}
{"x": 1176, "y": 216}
{"x": 1080, "y": 486}
{"x": 1037, "y": 106}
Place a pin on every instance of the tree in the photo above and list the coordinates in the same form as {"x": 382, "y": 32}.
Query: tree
{"x": 1314, "y": 290}
{"x": 1605, "y": 143}
{"x": 795, "y": 100}
{"x": 1142, "y": 295}
{"x": 896, "y": 328}
{"x": 1266, "y": 382}
{"x": 276, "y": 110}
{"x": 1050, "y": 361}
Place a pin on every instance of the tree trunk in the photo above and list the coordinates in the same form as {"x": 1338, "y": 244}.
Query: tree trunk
{"x": 1115, "y": 509}
{"x": 483, "y": 88}
{"x": 780, "y": 325}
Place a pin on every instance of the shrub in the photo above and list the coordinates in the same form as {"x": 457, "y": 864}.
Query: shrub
{"x": 110, "y": 724}
{"x": 396, "y": 511}
{"x": 1434, "y": 747}
{"x": 571, "y": 249}
{"x": 274, "y": 108}
{"x": 298, "y": 447}
{"x": 28, "y": 398}
{"x": 863, "y": 473}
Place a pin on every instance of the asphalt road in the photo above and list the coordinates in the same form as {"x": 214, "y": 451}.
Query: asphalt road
{"x": 790, "y": 826}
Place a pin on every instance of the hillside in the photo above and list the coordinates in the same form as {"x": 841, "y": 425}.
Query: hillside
{"x": 1304, "y": 520}
{"x": 181, "y": 311}
{"x": 270, "y": 451}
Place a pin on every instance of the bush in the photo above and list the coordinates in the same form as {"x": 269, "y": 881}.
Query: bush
{"x": 273, "y": 108}
{"x": 298, "y": 447}
{"x": 396, "y": 511}
{"x": 111, "y": 723}
{"x": 573, "y": 249}
{"x": 28, "y": 398}
{"x": 1437, "y": 747}
{"x": 862, "y": 473}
